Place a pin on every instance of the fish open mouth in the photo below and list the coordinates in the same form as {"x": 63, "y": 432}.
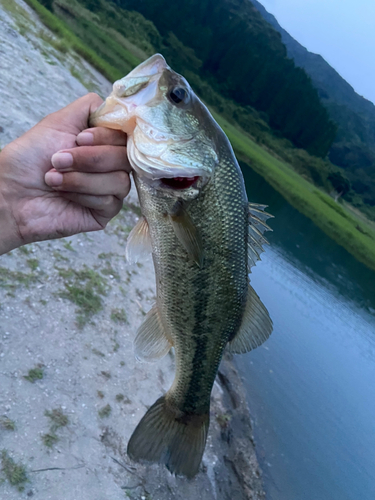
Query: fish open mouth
{"x": 179, "y": 182}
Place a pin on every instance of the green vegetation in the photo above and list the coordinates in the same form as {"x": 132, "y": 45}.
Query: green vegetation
{"x": 333, "y": 219}
{"x": 33, "y": 264}
{"x": 221, "y": 48}
{"x": 105, "y": 411}
{"x": 60, "y": 28}
{"x": 7, "y": 424}
{"x": 50, "y": 439}
{"x": 35, "y": 374}
{"x": 84, "y": 288}
{"x": 11, "y": 279}
{"x": 57, "y": 420}
{"x": 13, "y": 472}
{"x": 119, "y": 316}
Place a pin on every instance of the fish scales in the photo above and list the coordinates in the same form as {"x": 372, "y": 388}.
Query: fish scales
{"x": 184, "y": 290}
{"x": 204, "y": 237}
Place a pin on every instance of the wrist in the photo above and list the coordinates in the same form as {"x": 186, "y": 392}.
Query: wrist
{"x": 9, "y": 236}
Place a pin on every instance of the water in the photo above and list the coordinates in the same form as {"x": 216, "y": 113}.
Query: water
{"x": 311, "y": 386}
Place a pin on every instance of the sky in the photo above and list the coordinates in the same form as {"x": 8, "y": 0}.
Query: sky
{"x": 341, "y": 31}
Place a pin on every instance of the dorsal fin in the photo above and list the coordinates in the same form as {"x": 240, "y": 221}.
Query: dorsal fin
{"x": 257, "y": 226}
{"x": 139, "y": 242}
{"x": 255, "y": 328}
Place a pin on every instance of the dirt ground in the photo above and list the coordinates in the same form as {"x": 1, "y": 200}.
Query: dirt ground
{"x": 71, "y": 391}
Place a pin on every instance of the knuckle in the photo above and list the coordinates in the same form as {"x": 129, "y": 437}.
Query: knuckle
{"x": 123, "y": 178}
{"x": 107, "y": 201}
{"x": 72, "y": 181}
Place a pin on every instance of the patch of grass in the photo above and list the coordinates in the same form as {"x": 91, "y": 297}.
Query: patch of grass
{"x": 80, "y": 76}
{"x": 100, "y": 394}
{"x": 68, "y": 245}
{"x": 14, "y": 473}
{"x": 61, "y": 29}
{"x": 57, "y": 43}
{"x": 33, "y": 264}
{"x": 105, "y": 411}
{"x": 50, "y": 439}
{"x": 59, "y": 257}
{"x": 58, "y": 418}
{"x": 25, "y": 250}
{"x": 106, "y": 375}
{"x": 11, "y": 279}
{"x": 109, "y": 271}
{"x": 98, "y": 353}
{"x": 36, "y": 373}
{"x": 84, "y": 288}
{"x": 7, "y": 423}
{"x": 120, "y": 397}
{"x": 105, "y": 255}
{"x": 119, "y": 316}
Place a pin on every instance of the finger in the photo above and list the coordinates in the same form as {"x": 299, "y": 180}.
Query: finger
{"x": 106, "y": 206}
{"x": 92, "y": 159}
{"x": 101, "y": 136}
{"x": 112, "y": 183}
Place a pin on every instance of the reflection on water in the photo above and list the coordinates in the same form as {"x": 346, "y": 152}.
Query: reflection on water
{"x": 312, "y": 385}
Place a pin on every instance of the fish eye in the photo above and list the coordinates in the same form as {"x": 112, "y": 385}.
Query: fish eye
{"x": 178, "y": 94}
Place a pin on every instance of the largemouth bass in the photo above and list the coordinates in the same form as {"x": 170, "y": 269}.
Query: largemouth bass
{"x": 204, "y": 237}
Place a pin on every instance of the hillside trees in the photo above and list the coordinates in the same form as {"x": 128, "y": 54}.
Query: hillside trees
{"x": 244, "y": 59}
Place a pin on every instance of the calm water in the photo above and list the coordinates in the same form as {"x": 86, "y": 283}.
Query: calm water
{"x": 311, "y": 386}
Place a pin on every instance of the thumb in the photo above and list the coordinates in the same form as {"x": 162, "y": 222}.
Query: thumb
{"x": 75, "y": 117}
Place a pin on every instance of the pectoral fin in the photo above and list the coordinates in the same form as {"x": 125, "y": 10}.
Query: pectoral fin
{"x": 139, "y": 242}
{"x": 256, "y": 326}
{"x": 151, "y": 342}
{"x": 187, "y": 234}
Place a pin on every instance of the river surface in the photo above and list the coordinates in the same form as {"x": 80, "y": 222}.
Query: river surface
{"x": 311, "y": 386}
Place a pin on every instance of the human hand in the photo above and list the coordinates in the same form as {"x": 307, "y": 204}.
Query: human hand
{"x": 61, "y": 178}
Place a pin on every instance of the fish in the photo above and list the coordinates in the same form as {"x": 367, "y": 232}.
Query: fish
{"x": 204, "y": 237}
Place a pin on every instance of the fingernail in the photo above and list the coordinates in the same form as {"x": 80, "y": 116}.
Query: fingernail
{"x": 85, "y": 139}
{"x": 53, "y": 179}
{"x": 62, "y": 160}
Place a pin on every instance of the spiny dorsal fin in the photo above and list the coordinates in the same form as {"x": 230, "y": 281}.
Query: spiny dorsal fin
{"x": 257, "y": 226}
{"x": 187, "y": 234}
{"x": 151, "y": 342}
{"x": 256, "y": 325}
{"x": 139, "y": 242}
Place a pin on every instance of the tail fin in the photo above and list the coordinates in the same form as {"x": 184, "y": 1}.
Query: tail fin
{"x": 164, "y": 437}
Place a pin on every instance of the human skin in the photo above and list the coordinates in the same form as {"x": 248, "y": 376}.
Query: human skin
{"x": 61, "y": 178}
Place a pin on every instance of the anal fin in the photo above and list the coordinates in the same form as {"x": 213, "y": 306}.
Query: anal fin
{"x": 152, "y": 342}
{"x": 255, "y": 328}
